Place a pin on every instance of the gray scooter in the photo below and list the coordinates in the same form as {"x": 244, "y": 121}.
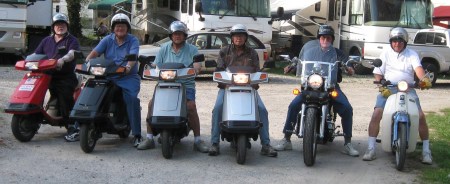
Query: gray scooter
{"x": 240, "y": 117}
{"x": 168, "y": 111}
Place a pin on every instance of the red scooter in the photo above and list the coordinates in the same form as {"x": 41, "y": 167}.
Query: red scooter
{"x": 27, "y": 102}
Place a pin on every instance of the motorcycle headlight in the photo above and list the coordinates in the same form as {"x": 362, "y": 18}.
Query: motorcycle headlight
{"x": 241, "y": 78}
{"x": 315, "y": 81}
{"x": 167, "y": 74}
{"x": 97, "y": 70}
{"x": 32, "y": 65}
{"x": 402, "y": 86}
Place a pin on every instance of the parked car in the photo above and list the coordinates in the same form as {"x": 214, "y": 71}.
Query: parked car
{"x": 208, "y": 43}
{"x": 433, "y": 47}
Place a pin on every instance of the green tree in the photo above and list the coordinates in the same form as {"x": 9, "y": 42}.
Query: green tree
{"x": 74, "y": 8}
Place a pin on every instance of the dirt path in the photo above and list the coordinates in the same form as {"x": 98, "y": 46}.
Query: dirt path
{"x": 49, "y": 159}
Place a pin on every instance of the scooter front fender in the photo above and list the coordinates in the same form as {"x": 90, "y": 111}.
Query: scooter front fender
{"x": 29, "y": 94}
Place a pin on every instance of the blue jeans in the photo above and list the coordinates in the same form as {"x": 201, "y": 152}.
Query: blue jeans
{"x": 131, "y": 85}
{"x": 341, "y": 105}
{"x": 217, "y": 117}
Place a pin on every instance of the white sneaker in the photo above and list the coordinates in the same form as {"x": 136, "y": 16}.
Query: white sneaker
{"x": 369, "y": 155}
{"x": 349, "y": 150}
{"x": 284, "y": 145}
{"x": 426, "y": 158}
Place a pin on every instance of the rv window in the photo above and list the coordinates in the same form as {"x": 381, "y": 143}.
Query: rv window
{"x": 317, "y": 7}
{"x": 175, "y": 5}
{"x": 163, "y": 3}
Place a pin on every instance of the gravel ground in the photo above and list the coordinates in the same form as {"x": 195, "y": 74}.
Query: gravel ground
{"x": 47, "y": 158}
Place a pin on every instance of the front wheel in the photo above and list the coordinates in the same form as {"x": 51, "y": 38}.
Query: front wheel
{"x": 400, "y": 152}
{"x": 24, "y": 127}
{"x": 310, "y": 137}
{"x": 166, "y": 144}
{"x": 241, "y": 149}
{"x": 88, "y": 137}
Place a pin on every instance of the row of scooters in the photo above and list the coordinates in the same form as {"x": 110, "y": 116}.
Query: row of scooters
{"x": 100, "y": 109}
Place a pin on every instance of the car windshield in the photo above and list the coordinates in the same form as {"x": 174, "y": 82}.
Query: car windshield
{"x": 160, "y": 42}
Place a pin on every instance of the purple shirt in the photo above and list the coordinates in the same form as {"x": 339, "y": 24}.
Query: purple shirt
{"x": 49, "y": 47}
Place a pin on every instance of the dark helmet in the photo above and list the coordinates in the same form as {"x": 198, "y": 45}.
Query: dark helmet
{"x": 177, "y": 26}
{"x": 398, "y": 33}
{"x": 325, "y": 30}
{"x": 59, "y": 17}
{"x": 238, "y": 28}
{"x": 120, "y": 18}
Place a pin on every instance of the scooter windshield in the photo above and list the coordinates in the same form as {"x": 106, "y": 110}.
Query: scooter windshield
{"x": 317, "y": 61}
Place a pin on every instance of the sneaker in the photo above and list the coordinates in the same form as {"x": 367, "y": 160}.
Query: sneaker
{"x": 146, "y": 144}
{"x": 426, "y": 158}
{"x": 201, "y": 147}
{"x": 369, "y": 155}
{"x": 214, "y": 150}
{"x": 268, "y": 151}
{"x": 137, "y": 139}
{"x": 284, "y": 145}
{"x": 75, "y": 136}
{"x": 349, "y": 150}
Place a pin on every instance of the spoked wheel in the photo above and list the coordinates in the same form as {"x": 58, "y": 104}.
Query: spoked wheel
{"x": 241, "y": 149}
{"x": 400, "y": 152}
{"x": 167, "y": 144}
{"x": 88, "y": 137}
{"x": 24, "y": 127}
{"x": 310, "y": 137}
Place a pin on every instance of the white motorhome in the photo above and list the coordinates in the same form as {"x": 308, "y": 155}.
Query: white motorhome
{"x": 362, "y": 26}
{"x": 155, "y": 16}
{"x": 23, "y": 24}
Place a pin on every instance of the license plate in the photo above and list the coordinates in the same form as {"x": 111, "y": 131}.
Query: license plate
{"x": 26, "y": 87}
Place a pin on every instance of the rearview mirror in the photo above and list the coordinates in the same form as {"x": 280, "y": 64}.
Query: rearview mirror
{"x": 199, "y": 58}
{"x": 377, "y": 62}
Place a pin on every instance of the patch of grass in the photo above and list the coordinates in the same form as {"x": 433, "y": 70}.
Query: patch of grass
{"x": 279, "y": 66}
{"x": 439, "y": 145}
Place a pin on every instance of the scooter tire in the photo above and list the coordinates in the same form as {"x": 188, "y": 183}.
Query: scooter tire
{"x": 88, "y": 137}
{"x": 400, "y": 153}
{"x": 166, "y": 144}
{"x": 124, "y": 133}
{"x": 22, "y": 128}
{"x": 241, "y": 149}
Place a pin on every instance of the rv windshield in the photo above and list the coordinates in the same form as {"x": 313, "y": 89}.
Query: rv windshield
{"x": 14, "y": 1}
{"x": 403, "y": 13}
{"x": 242, "y": 8}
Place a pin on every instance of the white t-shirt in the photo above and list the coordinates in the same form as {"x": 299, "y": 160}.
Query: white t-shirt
{"x": 398, "y": 66}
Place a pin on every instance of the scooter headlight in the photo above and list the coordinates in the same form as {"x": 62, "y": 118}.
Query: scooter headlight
{"x": 167, "y": 74}
{"x": 315, "y": 81}
{"x": 97, "y": 70}
{"x": 32, "y": 65}
{"x": 241, "y": 78}
{"x": 402, "y": 86}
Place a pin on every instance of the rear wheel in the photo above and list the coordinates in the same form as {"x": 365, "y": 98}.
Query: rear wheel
{"x": 310, "y": 137}
{"x": 88, "y": 137}
{"x": 24, "y": 127}
{"x": 166, "y": 144}
{"x": 241, "y": 149}
{"x": 400, "y": 153}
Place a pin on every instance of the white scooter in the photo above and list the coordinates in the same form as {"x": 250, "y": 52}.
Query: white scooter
{"x": 240, "y": 117}
{"x": 168, "y": 112}
{"x": 400, "y": 122}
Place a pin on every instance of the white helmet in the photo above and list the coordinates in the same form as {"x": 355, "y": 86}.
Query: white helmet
{"x": 59, "y": 17}
{"x": 238, "y": 28}
{"x": 398, "y": 33}
{"x": 178, "y": 26}
{"x": 120, "y": 18}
